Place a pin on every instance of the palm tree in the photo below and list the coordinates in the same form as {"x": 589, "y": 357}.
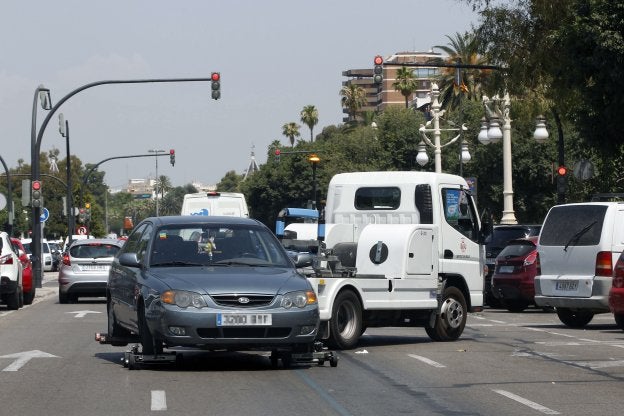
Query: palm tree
{"x": 405, "y": 83}
{"x": 163, "y": 185}
{"x": 353, "y": 99}
{"x": 291, "y": 130}
{"x": 309, "y": 117}
{"x": 462, "y": 49}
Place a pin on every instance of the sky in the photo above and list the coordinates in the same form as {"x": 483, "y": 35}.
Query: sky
{"x": 274, "y": 56}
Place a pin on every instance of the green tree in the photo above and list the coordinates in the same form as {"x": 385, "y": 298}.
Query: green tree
{"x": 309, "y": 117}
{"x": 162, "y": 185}
{"x": 353, "y": 99}
{"x": 230, "y": 182}
{"x": 291, "y": 130}
{"x": 405, "y": 83}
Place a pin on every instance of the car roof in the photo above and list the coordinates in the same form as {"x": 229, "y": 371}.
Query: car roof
{"x": 202, "y": 219}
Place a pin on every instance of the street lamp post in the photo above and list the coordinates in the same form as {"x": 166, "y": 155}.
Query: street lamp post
{"x": 421, "y": 157}
{"x": 497, "y": 109}
{"x": 64, "y": 131}
{"x": 156, "y": 152}
{"x": 35, "y": 146}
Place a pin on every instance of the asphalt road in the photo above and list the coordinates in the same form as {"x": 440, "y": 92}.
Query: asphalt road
{"x": 505, "y": 364}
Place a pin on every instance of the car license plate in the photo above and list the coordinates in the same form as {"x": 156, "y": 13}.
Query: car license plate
{"x": 506, "y": 269}
{"x": 94, "y": 267}
{"x": 567, "y": 285}
{"x": 243, "y": 319}
{"x": 490, "y": 260}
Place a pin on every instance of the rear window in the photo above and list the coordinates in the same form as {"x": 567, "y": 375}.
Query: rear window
{"x": 93, "y": 251}
{"x": 377, "y": 198}
{"x": 501, "y": 236}
{"x": 579, "y": 225}
{"x": 517, "y": 250}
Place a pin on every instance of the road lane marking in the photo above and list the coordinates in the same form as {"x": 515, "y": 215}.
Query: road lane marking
{"x": 24, "y": 357}
{"x": 526, "y": 402}
{"x": 427, "y": 361}
{"x": 159, "y": 400}
{"x": 82, "y": 314}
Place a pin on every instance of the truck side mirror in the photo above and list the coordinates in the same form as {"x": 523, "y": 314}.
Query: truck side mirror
{"x": 487, "y": 226}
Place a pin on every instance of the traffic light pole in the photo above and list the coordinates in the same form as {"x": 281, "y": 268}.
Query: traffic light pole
{"x": 35, "y": 148}
{"x": 560, "y": 155}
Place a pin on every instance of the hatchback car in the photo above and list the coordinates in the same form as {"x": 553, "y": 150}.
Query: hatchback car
{"x": 500, "y": 237}
{"x": 513, "y": 281}
{"x": 616, "y": 293}
{"x": 28, "y": 287}
{"x": 10, "y": 274}
{"x": 240, "y": 292}
{"x": 84, "y": 268}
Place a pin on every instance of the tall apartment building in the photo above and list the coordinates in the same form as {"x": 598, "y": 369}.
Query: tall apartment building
{"x": 380, "y": 96}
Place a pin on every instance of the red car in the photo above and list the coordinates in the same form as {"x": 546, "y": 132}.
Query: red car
{"x": 28, "y": 286}
{"x": 513, "y": 282}
{"x": 616, "y": 293}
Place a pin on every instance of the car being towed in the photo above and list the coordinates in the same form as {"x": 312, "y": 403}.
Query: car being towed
{"x": 212, "y": 283}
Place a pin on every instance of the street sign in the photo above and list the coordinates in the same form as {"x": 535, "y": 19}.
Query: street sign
{"x": 45, "y": 214}
{"x": 82, "y": 230}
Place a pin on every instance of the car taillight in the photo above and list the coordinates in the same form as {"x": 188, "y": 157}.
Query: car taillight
{"x": 66, "y": 261}
{"x": 604, "y": 265}
{"x": 6, "y": 259}
{"x": 618, "y": 274}
{"x": 530, "y": 259}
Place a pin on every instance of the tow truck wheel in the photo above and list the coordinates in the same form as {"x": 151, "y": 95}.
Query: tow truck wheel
{"x": 345, "y": 326}
{"x": 450, "y": 323}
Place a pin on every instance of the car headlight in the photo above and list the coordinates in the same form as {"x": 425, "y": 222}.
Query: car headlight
{"x": 183, "y": 299}
{"x": 298, "y": 299}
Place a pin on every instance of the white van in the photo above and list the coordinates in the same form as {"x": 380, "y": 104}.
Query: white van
{"x": 578, "y": 246}
{"x": 229, "y": 204}
{"x": 46, "y": 253}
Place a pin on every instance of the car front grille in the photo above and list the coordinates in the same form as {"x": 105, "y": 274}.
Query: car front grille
{"x": 242, "y": 300}
{"x": 247, "y": 332}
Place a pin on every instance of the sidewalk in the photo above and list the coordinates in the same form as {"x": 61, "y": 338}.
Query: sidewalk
{"x": 50, "y": 286}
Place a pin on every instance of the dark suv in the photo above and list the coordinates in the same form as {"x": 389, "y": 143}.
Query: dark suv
{"x": 494, "y": 244}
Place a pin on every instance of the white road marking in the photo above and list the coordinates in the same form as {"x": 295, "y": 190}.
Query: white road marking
{"x": 23, "y": 358}
{"x": 526, "y": 402}
{"x": 159, "y": 400}
{"x": 427, "y": 361}
{"x": 82, "y": 314}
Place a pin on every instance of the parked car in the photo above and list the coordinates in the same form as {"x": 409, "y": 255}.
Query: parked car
{"x": 513, "y": 281}
{"x": 46, "y": 253}
{"x": 84, "y": 268}
{"x": 240, "y": 292}
{"x": 616, "y": 293}
{"x": 28, "y": 286}
{"x": 494, "y": 244}
{"x": 578, "y": 246}
{"x": 10, "y": 274}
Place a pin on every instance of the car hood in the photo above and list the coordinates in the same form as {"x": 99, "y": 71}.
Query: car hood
{"x": 232, "y": 279}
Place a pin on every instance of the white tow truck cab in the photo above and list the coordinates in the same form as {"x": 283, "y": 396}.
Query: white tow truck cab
{"x": 400, "y": 249}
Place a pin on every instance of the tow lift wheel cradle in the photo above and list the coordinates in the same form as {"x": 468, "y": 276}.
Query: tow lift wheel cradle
{"x": 320, "y": 355}
{"x": 133, "y": 359}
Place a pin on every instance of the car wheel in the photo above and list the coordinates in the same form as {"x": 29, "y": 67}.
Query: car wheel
{"x": 63, "y": 298}
{"x": 516, "y": 305}
{"x": 619, "y": 320}
{"x": 450, "y": 323}
{"x": 114, "y": 330}
{"x": 345, "y": 325}
{"x": 29, "y": 297}
{"x": 574, "y": 318}
{"x": 150, "y": 345}
{"x": 13, "y": 300}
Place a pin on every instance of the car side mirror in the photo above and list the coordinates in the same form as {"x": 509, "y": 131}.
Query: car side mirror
{"x": 129, "y": 260}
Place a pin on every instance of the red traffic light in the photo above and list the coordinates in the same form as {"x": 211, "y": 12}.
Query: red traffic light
{"x": 378, "y": 60}
{"x": 562, "y": 170}
{"x": 277, "y": 152}
{"x": 36, "y": 185}
{"x": 171, "y": 152}
{"x": 215, "y": 76}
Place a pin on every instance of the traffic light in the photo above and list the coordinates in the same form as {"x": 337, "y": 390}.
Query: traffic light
{"x": 88, "y": 211}
{"x": 36, "y": 200}
{"x": 562, "y": 180}
{"x": 378, "y": 70}
{"x": 278, "y": 152}
{"x": 82, "y": 215}
{"x": 216, "y": 85}
{"x": 172, "y": 157}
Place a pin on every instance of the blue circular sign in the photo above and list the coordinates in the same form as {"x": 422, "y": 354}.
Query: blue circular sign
{"x": 45, "y": 214}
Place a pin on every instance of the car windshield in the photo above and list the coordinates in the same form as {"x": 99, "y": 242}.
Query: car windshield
{"x": 93, "y": 250}
{"x": 228, "y": 245}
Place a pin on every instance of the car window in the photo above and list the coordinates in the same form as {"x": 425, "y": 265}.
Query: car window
{"x": 142, "y": 244}
{"x": 94, "y": 250}
{"x": 581, "y": 223}
{"x": 517, "y": 250}
{"x": 133, "y": 240}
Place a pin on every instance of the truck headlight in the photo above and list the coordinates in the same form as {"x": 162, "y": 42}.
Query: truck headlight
{"x": 183, "y": 299}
